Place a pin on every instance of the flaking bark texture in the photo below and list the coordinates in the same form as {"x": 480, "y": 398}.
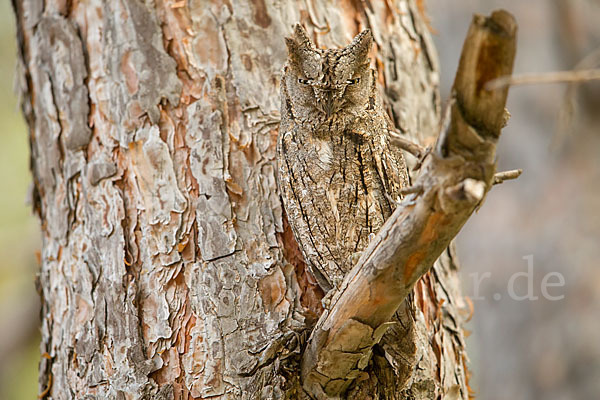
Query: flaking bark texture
{"x": 168, "y": 268}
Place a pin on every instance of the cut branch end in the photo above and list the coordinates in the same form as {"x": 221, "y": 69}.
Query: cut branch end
{"x": 506, "y": 176}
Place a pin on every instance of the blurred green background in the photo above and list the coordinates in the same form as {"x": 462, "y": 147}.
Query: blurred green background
{"x": 19, "y": 235}
{"x": 519, "y": 349}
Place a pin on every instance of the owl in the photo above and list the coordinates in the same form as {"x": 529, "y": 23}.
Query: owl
{"x": 338, "y": 175}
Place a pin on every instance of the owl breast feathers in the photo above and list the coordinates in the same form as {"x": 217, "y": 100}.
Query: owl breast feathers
{"x": 338, "y": 173}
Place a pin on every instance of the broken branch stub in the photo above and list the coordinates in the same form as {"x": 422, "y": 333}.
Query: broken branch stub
{"x": 454, "y": 179}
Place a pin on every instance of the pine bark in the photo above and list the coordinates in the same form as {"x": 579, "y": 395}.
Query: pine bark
{"x": 168, "y": 268}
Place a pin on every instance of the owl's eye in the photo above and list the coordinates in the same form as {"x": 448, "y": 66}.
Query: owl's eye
{"x": 303, "y": 81}
{"x": 353, "y": 81}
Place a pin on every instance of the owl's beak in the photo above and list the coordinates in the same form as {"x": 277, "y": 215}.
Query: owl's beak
{"x": 328, "y": 106}
{"x": 327, "y": 99}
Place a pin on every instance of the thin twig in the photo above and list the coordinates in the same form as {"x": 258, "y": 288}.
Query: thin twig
{"x": 549, "y": 77}
{"x": 411, "y": 189}
{"x": 413, "y": 148}
{"x": 446, "y": 113}
{"x": 416, "y": 189}
{"x": 567, "y": 110}
{"x": 507, "y": 175}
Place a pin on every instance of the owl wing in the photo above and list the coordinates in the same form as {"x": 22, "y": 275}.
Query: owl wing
{"x": 388, "y": 166}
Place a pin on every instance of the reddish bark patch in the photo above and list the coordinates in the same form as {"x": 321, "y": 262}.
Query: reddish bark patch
{"x": 272, "y": 289}
{"x": 432, "y": 227}
{"x": 490, "y": 63}
{"x": 411, "y": 265}
{"x": 261, "y": 16}
{"x": 311, "y": 294}
{"x": 129, "y": 73}
{"x": 211, "y": 50}
{"x": 429, "y": 233}
{"x": 247, "y": 61}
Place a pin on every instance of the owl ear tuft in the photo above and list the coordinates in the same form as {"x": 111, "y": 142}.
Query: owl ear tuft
{"x": 292, "y": 46}
{"x": 301, "y": 51}
{"x": 301, "y": 37}
{"x": 360, "y": 46}
{"x": 299, "y": 40}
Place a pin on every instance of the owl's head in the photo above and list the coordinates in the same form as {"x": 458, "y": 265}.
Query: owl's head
{"x": 328, "y": 81}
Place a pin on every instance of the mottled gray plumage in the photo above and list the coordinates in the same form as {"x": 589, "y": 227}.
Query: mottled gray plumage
{"x": 337, "y": 169}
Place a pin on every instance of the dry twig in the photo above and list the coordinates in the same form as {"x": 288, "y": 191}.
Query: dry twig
{"x": 413, "y": 148}
{"x": 507, "y": 175}
{"x": 549, "y": 77}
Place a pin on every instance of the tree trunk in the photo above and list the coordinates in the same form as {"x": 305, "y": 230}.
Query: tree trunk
{"x": 168, "y": 268}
